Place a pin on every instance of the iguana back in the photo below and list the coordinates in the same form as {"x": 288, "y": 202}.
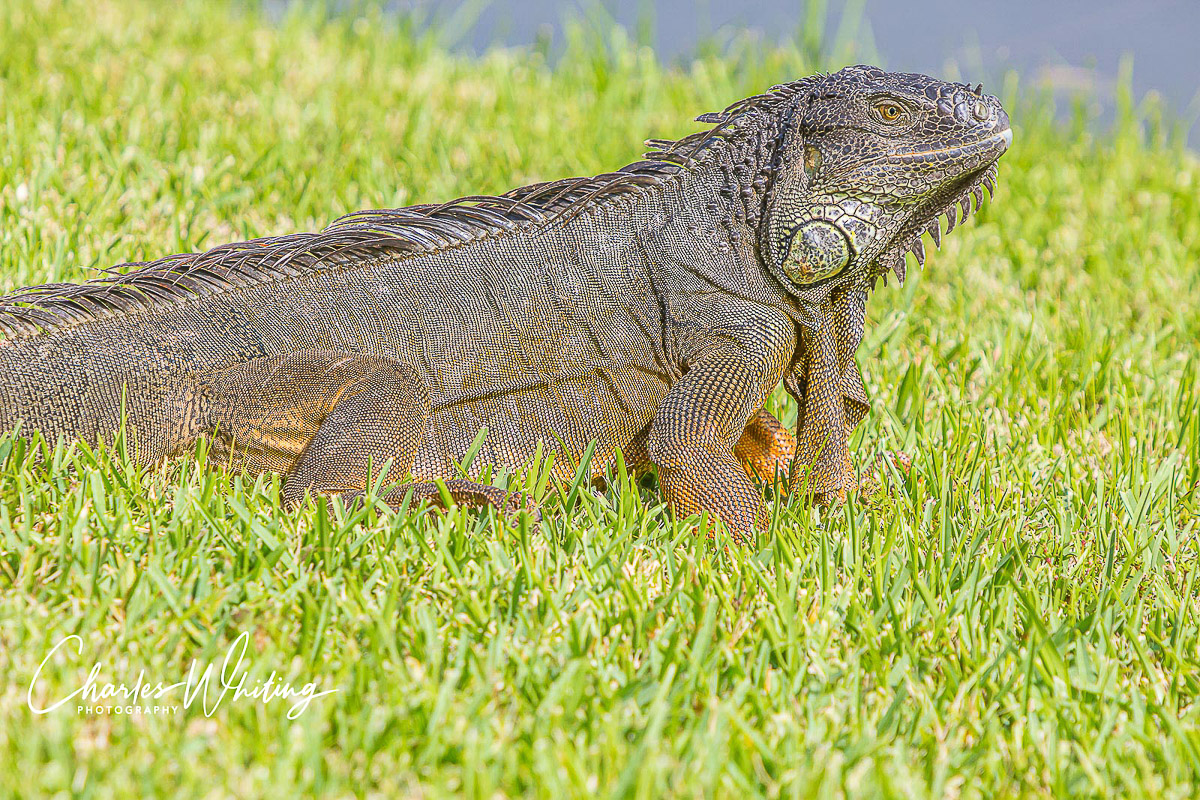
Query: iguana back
{"x": 518, "y": 341}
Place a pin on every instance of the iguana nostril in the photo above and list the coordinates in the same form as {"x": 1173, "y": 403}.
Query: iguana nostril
{"x": 981, "y": 111}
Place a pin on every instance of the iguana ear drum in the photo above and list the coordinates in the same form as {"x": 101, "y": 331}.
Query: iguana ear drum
{"x": 816, "y": 251}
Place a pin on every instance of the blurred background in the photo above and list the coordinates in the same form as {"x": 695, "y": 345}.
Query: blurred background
{"x": 1074, "y": 49}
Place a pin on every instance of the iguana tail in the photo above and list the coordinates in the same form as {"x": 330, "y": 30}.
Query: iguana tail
{"x": 125, "y": 373}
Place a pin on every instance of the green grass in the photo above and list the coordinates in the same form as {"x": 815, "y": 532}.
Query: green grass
{"x": 1015, "y": 616}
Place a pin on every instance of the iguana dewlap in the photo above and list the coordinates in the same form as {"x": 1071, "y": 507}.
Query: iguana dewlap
{"x": 652, "y": 309}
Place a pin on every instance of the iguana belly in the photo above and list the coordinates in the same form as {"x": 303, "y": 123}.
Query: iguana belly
{"x": 607, "y": 405}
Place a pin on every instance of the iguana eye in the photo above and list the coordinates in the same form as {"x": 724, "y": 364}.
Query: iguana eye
{"x": 889, "y": 112}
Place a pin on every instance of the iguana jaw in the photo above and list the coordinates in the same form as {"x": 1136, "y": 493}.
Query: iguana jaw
{"x": 876, "y": 231}
{"x": 957, "y": 201}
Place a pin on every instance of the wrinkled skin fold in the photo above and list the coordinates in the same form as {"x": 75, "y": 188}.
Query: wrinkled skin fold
{"x": 651, "y": 310}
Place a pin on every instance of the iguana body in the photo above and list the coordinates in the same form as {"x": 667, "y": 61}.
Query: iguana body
{"x": 652, "y": 310}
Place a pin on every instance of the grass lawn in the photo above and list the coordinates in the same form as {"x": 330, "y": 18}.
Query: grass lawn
{"x": 1015, "y": 615}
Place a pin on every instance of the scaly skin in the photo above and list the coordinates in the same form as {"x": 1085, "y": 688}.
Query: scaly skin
{"x": 653, "y": 310}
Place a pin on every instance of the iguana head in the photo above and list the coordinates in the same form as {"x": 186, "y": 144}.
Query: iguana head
{"x": 868, "y": 162}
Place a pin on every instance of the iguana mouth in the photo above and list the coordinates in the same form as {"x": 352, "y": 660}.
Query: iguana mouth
{"x": 958, "y": 151}
{"x": 958, "y": 201}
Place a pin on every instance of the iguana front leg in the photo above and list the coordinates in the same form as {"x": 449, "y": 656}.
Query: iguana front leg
{"x": 831, "y": 399}
{"x": 703, "y": 418}
{"x": 764, "y": 449}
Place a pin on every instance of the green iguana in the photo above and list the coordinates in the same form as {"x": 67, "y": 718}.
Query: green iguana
{"x": 651, "y": 309}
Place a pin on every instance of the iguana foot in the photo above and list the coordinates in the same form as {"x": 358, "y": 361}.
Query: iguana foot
{"x": 828, "y": 488}
{"x": 462, "y": 492}
{"x": 829, "y": 499}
